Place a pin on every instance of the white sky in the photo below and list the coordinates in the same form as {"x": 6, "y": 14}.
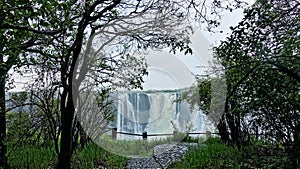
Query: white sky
{"x": 168, "y": 71}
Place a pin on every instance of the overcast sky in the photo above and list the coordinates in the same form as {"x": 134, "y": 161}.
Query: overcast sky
{"x": 169, "y": 71}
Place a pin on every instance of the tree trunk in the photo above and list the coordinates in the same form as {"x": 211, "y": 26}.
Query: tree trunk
{"x": 3, "y": 147}
{"x": 222, "y": 126}
{"x": 295, "y": 152}
{"x": 223, "y": 131}
{"x": 67, "y": 115}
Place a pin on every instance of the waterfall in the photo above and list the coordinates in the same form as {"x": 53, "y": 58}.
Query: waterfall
{"x": 154, "y": 113}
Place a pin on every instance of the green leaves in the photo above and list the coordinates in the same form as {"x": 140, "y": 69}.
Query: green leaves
{"x": 267, "y": 39}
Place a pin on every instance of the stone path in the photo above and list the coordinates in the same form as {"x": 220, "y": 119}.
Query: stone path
{"x": 164, "y": 156}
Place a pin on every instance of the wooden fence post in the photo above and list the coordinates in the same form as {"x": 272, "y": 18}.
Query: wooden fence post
{"x": 144, "y": 134}
{"x": 114, "y": 133}
{"x": 208, "y": 134}
{"x": 256, "y": 133}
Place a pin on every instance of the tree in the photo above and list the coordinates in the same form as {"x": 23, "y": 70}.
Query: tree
{"x": 45, "y": 100}
{"x": 18, "y": 120}
{"x": 121, "y": 27}
{"x": 21, "y": 27}
{"x": 56, "y": 30}
{"x": 261, "y": 60}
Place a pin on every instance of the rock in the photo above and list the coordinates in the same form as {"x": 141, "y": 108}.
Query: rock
{"x": 164, "y": 156}
{"x": 170, "y": 154}
{"x": 141, "y": 163}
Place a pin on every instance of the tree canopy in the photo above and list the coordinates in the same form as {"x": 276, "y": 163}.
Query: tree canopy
{"x": 261, "y": 61}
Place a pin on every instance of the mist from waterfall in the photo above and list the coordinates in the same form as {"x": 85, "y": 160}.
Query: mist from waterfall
{"x": 155, "y": 112}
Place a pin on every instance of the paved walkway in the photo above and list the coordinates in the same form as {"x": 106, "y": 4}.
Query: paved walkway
{"x": 164, "y": 156}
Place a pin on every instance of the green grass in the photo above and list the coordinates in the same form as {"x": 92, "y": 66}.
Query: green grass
{"x": 217, "y": 155}
{"x": 127, "y": 148}
{"x": 34, "y": 157}
{"x": 31, "y": 157}
{"x": 212, "y": 154}
{"x": 92, "y": 155}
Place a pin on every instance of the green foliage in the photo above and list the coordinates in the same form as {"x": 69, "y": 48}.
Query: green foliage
{"x": 265, "y": 154}
{"x": 216, "y": 155}
{"x": 18, "y": 127}
{"x": 93, "y": 155}
{"x": 34, "y": 156}
{"x": 208, "y": 96}
{"x": 261, "y": 59}
{"x": 51, "y": 34}
{"x": 31, "y": 156}
{"x": 140, "y": 148}
{"x": 24, "y": 25}
{"x": 190, "y": 139}
{"x": 29, "y": 118}
{"x": 212, "y": 154}
{"x": 199, "y": 96}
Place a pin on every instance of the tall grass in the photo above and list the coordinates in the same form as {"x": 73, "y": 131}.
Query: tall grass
{"x": 30, "y": 156}
{"x": 91, "y": 156}
{"x": 141, "y": 148}
{"x": 213, "y": 154}
{"x": 216, "y": 155}
{"x": 94, "y": 156}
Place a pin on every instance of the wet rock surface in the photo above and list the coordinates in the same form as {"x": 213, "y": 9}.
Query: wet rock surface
{"x": 164, "y": 156}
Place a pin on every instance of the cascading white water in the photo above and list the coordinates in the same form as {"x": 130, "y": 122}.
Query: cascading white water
{"x": 155, "y": 113}
{"x": 161, "y": 113}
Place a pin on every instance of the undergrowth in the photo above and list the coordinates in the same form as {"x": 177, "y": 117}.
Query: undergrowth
{"x": 214, "y": 154}
{"x": 35, "y": 157}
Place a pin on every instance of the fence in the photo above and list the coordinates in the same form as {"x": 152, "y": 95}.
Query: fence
{"x": 145, "y": 135}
